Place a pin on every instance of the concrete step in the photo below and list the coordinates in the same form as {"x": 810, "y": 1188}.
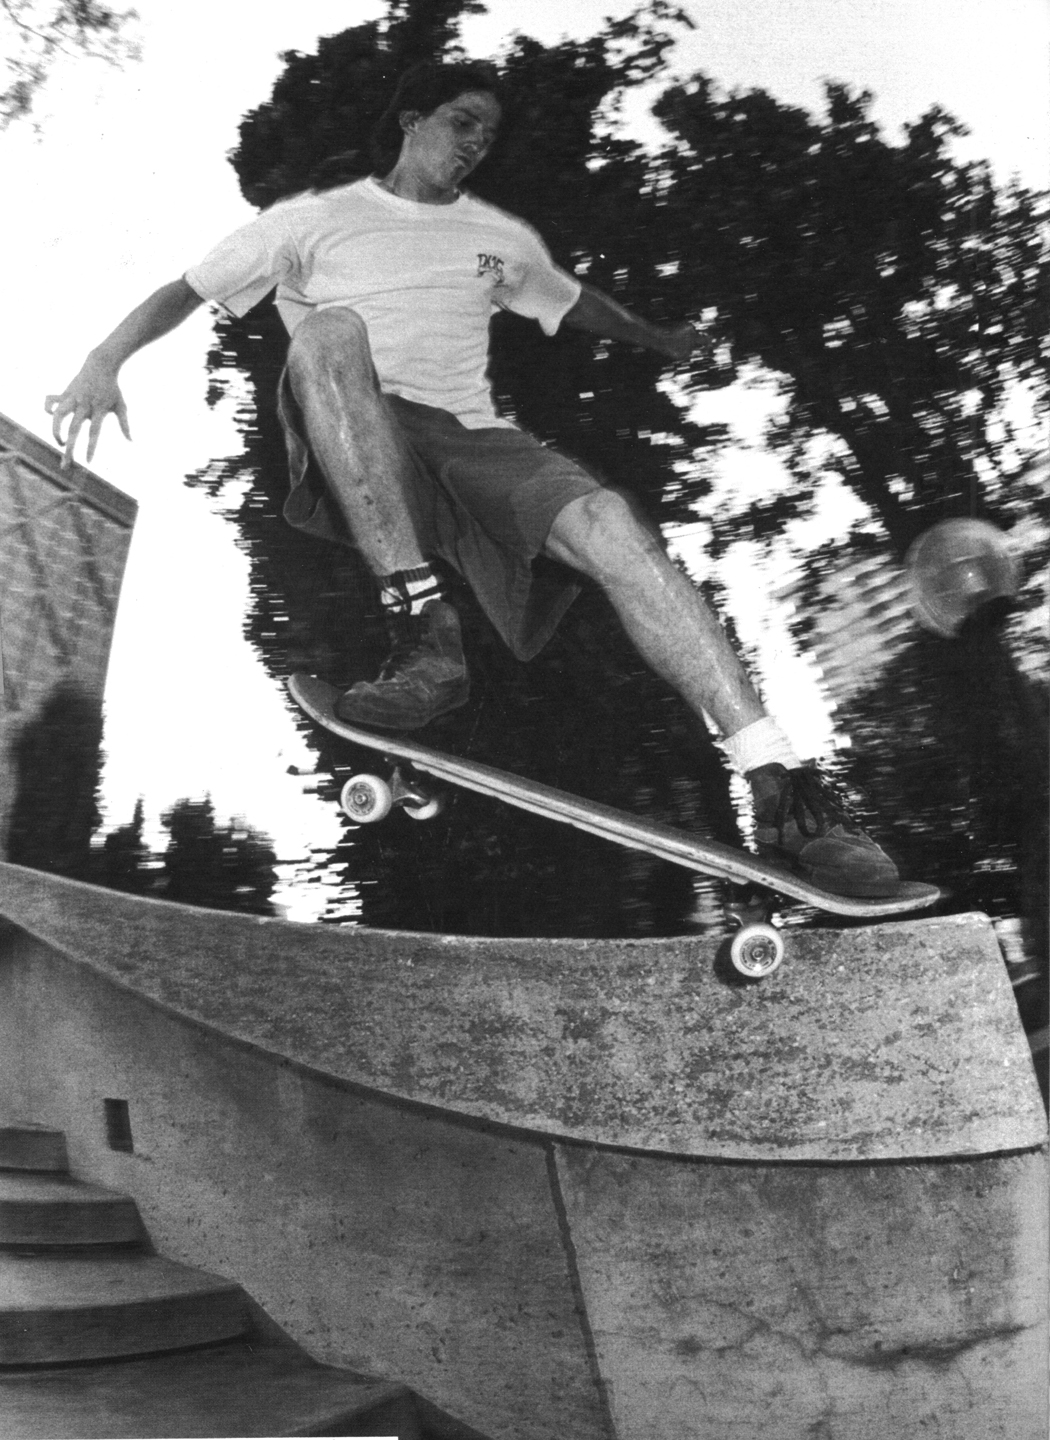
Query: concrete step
{"x": 229, "y": 1390}
{"x": 32, "y": 1147}
{"x": 86, "y": 1307}
{"x": 44, "y": 1210}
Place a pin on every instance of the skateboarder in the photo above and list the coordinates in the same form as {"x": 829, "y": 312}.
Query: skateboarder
{"x": 386, "y": 286}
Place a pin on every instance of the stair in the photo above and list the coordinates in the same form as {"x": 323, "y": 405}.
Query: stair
{"x": 32, "y": 1147}
{"x": 47, "y": 1210}
{"x": 231, "y": 1390}
{"x": 54, "y": 1310}
{"x": 101, "y": 1339}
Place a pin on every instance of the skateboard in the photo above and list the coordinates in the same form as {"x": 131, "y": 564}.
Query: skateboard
{"x": 757, "y": 948}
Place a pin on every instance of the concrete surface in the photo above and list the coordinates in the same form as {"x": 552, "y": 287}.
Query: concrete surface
{"x": 32, "y": 1147}
{"x": 380, "y": 1237}
{"x": 879, "y": 1042}
{"x": 234, "y": 1390}
{"x": 538, "y": 1285}
{"x": 63, "y": 1292}
{"x": 49, "y": 1210}
{"x": 82, "y": 1307}
{"x": 850, "y": 1303}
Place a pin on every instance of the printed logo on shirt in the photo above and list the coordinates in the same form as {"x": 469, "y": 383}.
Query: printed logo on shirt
{"x": 492, "y": 265}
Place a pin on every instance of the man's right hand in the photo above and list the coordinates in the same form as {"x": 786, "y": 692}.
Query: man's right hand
{"x": 87, "y": 399}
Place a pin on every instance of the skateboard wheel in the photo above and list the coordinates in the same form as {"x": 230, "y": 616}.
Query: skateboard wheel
{"x": 366, "y": 798}
{"x": 756, "y": 951}
{"x": 427, "y": 810}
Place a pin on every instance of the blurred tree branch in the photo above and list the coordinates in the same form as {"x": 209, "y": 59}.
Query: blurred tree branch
{"x": 36, "y": 35}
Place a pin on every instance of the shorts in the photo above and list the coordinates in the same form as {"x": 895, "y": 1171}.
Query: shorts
{"x": 483, "y": 501}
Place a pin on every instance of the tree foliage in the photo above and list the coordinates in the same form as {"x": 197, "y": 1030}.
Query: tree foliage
{"x": 220, "y": 867}
{"x": 58, "y": 762}
{"x": 897, "y": 295}
{"x": 557, "y": 166}
{"x": 38, "y": 34}
{"x": 587, "y": 697}
{"x": 124, "y": 861}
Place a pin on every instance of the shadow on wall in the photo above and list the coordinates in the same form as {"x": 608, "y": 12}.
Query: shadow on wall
{"x": 57, "y": 764}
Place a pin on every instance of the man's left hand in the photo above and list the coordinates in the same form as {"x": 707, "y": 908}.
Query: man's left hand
{"x": 679, "y": 342}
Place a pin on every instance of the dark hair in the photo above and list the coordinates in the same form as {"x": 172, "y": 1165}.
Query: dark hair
{"x": 424, "y": 88}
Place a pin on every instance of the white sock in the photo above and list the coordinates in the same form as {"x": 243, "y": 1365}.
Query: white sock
{"x": 763, "y": 743}
{"x": 405, "y": 592}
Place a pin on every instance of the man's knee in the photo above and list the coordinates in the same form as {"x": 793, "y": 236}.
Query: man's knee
{"x": 333, "y": 341}
{"x": 602, "y": 532}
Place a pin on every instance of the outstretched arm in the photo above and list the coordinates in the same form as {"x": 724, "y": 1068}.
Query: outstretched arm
{"x": 94, "y": 391}
{"x": 601, "y": 315}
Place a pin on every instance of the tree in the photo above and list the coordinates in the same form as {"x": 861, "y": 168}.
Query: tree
{"x": 123, "y": 861}
{"x": 223, "y": 867}
{"x": 228, "y": 867}
{"x": 37, "y": 34}
{"x": 902, "y": 300}
{"x": 901, "y": 297}
{"x": 895, "y": 293}
{"x": 586, "y": 698}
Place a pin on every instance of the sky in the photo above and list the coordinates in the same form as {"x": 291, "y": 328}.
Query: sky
{"x": 125, "y": 184}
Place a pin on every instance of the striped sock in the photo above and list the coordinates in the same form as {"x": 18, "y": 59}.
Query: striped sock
{"x": 405, "y": 592}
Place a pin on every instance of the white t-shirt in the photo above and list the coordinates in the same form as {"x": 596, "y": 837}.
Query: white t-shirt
{"x": 424, "y": 278}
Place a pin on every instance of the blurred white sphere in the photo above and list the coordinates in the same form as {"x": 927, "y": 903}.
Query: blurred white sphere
{"x": 955, "y": 568}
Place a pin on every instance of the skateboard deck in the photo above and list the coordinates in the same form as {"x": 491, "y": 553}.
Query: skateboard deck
{"x": 316, "y": 698}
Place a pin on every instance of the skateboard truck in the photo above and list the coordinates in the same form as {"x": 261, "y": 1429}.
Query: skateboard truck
{"x": 757, "y": 948}
{"x": 368, "y": 798}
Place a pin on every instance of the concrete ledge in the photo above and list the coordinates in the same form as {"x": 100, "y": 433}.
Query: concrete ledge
{"x": 893, "y": 1041}
{"x": 535, "y": 1285}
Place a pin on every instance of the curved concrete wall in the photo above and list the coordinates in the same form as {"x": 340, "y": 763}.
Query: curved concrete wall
{"x": 298, "y": 1127}
{"x": 870, "y": 1043}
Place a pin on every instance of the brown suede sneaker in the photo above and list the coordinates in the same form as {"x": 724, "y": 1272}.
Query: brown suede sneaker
{"x": 801, "y": 824}
{"x": 421, "y": 678}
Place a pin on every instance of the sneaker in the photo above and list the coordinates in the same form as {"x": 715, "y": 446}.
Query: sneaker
{"x": 424, "y": 676}
{"x": 801, "y": 823}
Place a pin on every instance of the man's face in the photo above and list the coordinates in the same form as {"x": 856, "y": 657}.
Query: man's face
{"x": 447, "y": 144}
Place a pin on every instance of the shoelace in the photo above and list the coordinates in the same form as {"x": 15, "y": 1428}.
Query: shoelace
{"x": 407, "y": 638}
{"x": 397, "y": 659}
{"x": 808, "y": 800}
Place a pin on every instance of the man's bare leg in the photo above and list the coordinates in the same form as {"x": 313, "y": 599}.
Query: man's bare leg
{"x": 355, "y": 440}
{"x": 668, "y": 620}
{"x": 678, "y": 635}
{"x": 354, "y": 437}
